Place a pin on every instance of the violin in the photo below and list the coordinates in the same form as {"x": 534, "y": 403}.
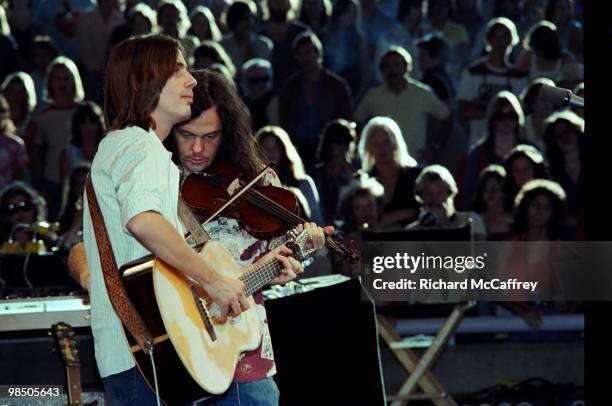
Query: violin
{"x": 265, "y": 211}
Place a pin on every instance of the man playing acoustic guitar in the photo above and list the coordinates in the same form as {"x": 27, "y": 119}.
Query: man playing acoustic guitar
{"x": 147, "y": 91}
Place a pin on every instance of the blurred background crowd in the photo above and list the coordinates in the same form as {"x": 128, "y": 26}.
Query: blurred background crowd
{"x": 378, "y": 114}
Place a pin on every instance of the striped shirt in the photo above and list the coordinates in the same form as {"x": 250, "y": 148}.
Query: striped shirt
{"x": 132, "y": 173}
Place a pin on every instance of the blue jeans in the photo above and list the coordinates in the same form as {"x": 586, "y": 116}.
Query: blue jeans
{"x": 128, "y": 388}
{"x": 257, "y": 393}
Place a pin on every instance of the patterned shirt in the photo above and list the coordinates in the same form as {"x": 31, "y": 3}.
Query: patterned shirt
{"x": 246, "y": 249}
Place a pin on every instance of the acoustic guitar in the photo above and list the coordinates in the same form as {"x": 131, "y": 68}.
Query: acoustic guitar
{"x": 195, "y": 354}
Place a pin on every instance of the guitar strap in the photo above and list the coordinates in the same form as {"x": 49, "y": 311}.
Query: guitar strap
{"x": 122, "y": 305}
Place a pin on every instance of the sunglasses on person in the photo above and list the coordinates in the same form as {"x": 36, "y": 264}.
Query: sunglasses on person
{"x": 258, "y": 79}
{"x": 511, "y": 115}
{"x": 13, "y": 208}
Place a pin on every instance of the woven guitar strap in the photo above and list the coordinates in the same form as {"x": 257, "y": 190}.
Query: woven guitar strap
{"x": 124, "y": 308}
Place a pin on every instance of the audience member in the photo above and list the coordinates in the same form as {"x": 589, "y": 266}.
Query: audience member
{"x": 384, "y": 155}
{"x": 288, "y": 165}
{"x": 9, "y": 52}
{"x": 13, "y": 156}
{"x": 260, "y": 98}
{"x": 311, "y": 97}
{"x": 435, "y": 189}
{"x": 505, "y": 121}
{"x": 360, "y": 207}
{"x": 381, "y": 31}
{"x": 439, "y": 13}
{"x": 282, "y": 28}
{"x": 210, "y": 52}
{"x": 43, "y": 53}
{"x": 20, "y": 204}
{"x": 87, "y": 129}
{"x": 490, "y": 203}
{"x": 173, "y": 21}
{"x": 59, "y": 19}
{"x": 561, "y": 14}
{"x": 242, "y": 43}
{"x": 564, "y": 140}
{"x": 433, "y": 56}
{"x": 141, "y": 19}
{"x": 18, "y": 89}
{"x": 71, "y": 217}
{"x": 487, "y": 76}
{"x": 533, "y": 11}
{"x": 539, "y": 215}
{"x": 543, "y": 55}
{"x": 344, "y": 45}
{"x": 334, "y": 169}
{"x": 522, "y": 164}
{"x": 49, "y": 131}
{"x": 203, "y": 25}
{"x": 408, "y": 102}
{"x": 93, "y": 33}
{"x": 468, "y": 14}
{"x": 540, "y": 211}
{"x": 411, "y": 14}
{"x": 315, "y": 14}
{"x": 19, "y": 14}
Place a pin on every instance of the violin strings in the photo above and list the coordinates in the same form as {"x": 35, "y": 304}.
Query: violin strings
{"x": 267, "y": 204}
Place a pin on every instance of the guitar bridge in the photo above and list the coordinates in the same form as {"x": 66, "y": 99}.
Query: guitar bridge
{"x": 203, "y": 313}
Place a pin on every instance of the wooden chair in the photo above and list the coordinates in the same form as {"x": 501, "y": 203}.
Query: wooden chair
{"x": 419, "y": 369}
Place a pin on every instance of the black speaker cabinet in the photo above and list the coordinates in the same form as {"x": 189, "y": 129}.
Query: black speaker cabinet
{"x": 326, "y": 347}
{"x": 31, "y": 358}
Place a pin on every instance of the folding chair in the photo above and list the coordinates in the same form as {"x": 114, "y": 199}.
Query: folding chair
{"x": 418, "y": 369}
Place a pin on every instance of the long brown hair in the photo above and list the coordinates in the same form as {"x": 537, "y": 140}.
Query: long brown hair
{"x": 137, "y": 71}
{"x": 238, "y": 143}
{"x": 290, "y": 169}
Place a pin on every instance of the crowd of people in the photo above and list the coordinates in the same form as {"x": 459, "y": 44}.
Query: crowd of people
{"x": 354, "y": 102}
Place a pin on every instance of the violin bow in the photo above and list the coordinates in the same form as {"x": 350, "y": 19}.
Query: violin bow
{"x": 238, "y": 194}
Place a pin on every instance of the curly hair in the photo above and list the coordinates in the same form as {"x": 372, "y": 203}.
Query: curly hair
{"x": 363, "y": 185}
{"x": 540, "y": 169}
{"x": 528, "y": 193}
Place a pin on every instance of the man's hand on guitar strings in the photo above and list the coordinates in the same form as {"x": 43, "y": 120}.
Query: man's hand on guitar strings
{"x": 228, "y": 293}
{"x": 291, "y": 266}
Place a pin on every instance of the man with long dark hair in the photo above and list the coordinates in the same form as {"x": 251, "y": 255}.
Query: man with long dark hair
{"x": 148, "y": 90}
{"x": 219, "y": 129}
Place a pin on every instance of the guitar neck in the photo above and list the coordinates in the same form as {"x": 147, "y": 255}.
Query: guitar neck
{"x": 73, "y": 375}
{"x": 261, "y": 276}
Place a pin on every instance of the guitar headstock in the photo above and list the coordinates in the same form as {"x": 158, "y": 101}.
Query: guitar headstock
{"x": 66, "y": 343}
{"x": 300, "y": 243}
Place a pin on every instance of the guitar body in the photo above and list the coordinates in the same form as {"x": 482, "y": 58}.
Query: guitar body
{"x": 195, "y": 355}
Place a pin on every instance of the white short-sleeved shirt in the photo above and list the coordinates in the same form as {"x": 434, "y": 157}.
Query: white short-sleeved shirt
{"x": 132, "y": 173}
{"x": 481, "y": 82}
{"x": 409, "y": 109}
